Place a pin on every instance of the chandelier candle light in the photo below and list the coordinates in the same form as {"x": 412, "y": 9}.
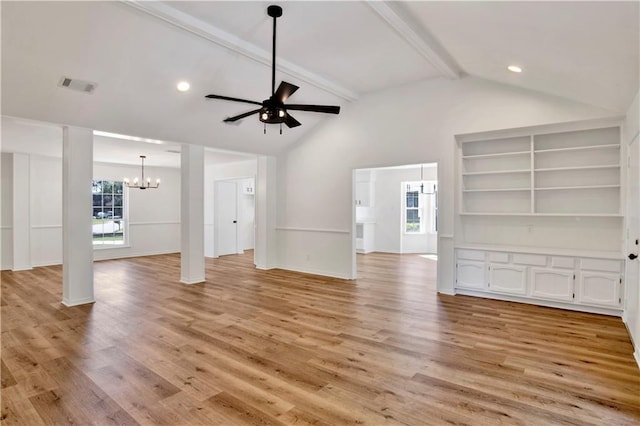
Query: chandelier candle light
{"x": 142, "y": 184}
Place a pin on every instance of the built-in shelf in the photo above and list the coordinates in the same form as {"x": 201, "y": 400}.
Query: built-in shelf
{"x": 543, "y": 230}
{"x": 557, "y": 188}
{"x": 496, "y": 172}
{"x": 557, "y": 169}
{"x": 543, "y": 174}
{"x": 496, "y": 155}
{"x": 543, "y": 214}
{"x": 496, "y": 190}
{"x": 577, "y": 148}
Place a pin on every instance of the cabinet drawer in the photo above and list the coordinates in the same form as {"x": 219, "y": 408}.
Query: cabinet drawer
{"x": 563, "y": 262}
{"x": 603, "y": 265}
{"x": 529, "y": 259}
{"x": 470, "y": 254}
{"x": 498, "y": 257}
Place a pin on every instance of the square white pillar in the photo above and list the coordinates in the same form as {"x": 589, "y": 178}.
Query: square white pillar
{"x": 265, "y": 254}
{"x": 21, "y": 212}
{"x": 192, "y": 214}
{"x": 77, "y": 236}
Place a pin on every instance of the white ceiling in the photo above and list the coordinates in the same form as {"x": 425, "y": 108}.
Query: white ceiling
{"x": 335, "y": 51}
{"x": 28, "y": 137}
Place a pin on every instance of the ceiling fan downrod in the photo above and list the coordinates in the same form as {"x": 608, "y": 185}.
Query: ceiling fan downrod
{"x": 275, "y": 12}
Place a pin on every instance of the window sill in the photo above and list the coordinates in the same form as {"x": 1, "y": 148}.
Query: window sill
{"x": 110, "y": 246}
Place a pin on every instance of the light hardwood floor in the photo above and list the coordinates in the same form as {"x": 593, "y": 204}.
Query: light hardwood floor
{"x": 276, "y": 347}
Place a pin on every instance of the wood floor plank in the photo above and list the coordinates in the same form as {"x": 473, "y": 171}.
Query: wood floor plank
{"x": 252, "y": 347}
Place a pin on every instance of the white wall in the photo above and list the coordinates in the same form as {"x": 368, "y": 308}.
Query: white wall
{"x": 6, "y": 211}
{"x": 46, "y": 210}
{"x": 390, "y": 237}
{"x": 410, "y": 124}
{"x": 243, "y": 172}
{"x": 154, "y": 215}
{"x": 631, "y": 313}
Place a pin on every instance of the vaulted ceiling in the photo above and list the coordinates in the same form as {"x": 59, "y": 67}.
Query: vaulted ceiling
{"x": 337, "y": 52}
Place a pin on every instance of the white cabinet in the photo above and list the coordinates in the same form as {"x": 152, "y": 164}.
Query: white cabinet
{"x": 552, "y": 284}
{"x": 509, "y": 279}
{"x": 364, "y": 194}
{"x": 600, "y": 288}
{"x": 589, "y": 284}
{"x": 471, "y": 274}
{"x": 365, "y": 237}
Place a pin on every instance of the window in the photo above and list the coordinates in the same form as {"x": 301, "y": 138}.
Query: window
{"x": 108, "y": 212}
{"x": 420, "y": 207}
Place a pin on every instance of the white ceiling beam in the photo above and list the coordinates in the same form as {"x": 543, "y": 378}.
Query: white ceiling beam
{"x": 236, "y": 44}
{"x": 417, "y": 37}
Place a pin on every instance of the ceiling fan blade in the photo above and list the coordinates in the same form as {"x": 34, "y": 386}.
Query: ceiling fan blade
{"x": 240, "y": 117}
{"x": 284, "y": 91}
{"x": 329, "y": 109}
{"x": 227, "y": 98}
{"x": 291, "y": 122}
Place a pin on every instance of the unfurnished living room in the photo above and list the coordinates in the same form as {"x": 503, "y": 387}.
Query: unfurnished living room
{"x": 320, "y": 213}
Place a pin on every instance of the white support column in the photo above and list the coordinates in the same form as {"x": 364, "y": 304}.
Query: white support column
{"x": 192, "y": 214}
{"x": 77, "y": 238}
{"x": 265, "y": 254}
{"x": 21, "y": 212}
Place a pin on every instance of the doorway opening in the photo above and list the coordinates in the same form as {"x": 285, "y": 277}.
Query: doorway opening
{"x": 396, "y": 213}
{"x": 234, "y": 216}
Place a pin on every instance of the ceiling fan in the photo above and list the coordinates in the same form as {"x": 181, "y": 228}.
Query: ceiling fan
{"x": 274, "y": 110}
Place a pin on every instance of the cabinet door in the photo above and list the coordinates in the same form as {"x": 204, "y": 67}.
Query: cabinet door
{"x": 363, "y": 194}
{"x": 552, "y": 284}
{"x": 471, "y": 274}
{"x": 600, "y": 288}
{"x": 510, "y": 279}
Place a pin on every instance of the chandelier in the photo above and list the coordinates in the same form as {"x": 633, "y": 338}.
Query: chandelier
{"x": 142, "y": 184}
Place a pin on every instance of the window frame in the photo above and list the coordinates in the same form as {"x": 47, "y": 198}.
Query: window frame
{"x": 424, "y": 227}
{"x": 123, "y": 218}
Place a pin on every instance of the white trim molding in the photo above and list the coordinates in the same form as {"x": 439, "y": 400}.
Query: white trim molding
{"x": 331, "y": 231}
{"x": 70, "y": 303}
{"x": 416, "y": 37}
{"x": 189, "y": 282}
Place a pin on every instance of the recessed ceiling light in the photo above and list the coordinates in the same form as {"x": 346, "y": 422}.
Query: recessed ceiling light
{"x": 183, "y": 86}
{"x": 514, "y": 68}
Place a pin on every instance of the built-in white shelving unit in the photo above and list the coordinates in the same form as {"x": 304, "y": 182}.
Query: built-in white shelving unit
{"x": 571, "y": 172}
{"x": 539, "y": 215}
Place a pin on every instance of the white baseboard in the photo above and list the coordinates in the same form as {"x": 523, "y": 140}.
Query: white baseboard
{"x": 22, "y": 268}
{"x": 330, "y": 274}
{"x": 70, "y": 303}
{"x": 636, "y": 355}
{"x": 540, "y": 302}
{"x": 189, "y": 282}
{"x": 265, "y": 268}
{"x": 447, "y": 292}
{"x": 138, "y": 254}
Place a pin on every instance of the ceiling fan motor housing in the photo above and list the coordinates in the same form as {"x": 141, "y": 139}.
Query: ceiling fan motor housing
{"x": 272, "y": 112}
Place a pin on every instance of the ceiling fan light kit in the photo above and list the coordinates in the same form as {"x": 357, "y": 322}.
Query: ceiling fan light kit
{"x": 274, "y": 110}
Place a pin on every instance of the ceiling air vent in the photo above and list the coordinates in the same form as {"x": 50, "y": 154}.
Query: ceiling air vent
{"x": 78, "y": 85}
{"x": 174, "y": 151}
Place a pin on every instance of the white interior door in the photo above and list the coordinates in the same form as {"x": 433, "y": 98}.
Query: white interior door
{"x": 632, "y": 269}
{"x": 226, "y": 218}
